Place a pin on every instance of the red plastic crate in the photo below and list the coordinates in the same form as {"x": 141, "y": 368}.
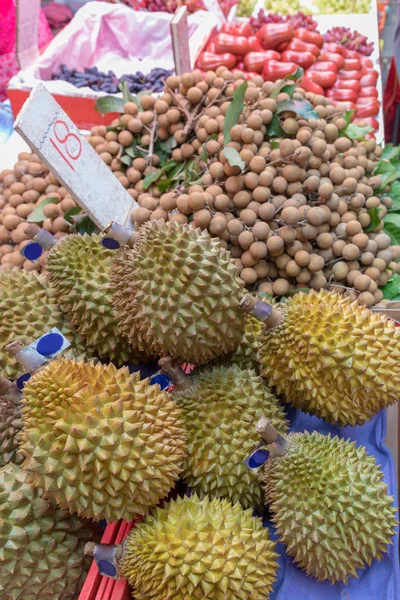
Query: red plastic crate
{"x": 97, "y": 587}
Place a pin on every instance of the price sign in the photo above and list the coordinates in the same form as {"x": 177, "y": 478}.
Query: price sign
{"x": 53, "y": 136}
{"x": 180, "y": 41}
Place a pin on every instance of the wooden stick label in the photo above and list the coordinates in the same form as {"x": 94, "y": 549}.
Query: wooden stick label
{"x": 53, "y": 136}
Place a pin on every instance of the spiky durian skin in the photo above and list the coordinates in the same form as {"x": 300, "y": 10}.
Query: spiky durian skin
{"x": 330, "y": 505}
{"x": 79, "y": 270}
{"x": 246, "y": 354}
{"x": 178, "y": 291}
{"x": 41, "y": 547}
{"x": 200, "y": 549}
{"x": 332, "y": 358}
{"x": 10, "y": 426}
{"x": 28, "y": 309}
{"x": 99, "y": 441}
{"x": 220, "y": 411}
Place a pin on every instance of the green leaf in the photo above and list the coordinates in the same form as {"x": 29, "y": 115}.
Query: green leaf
{"x": 203, "y": 152}
{"x": 275, "y": 145}
{"x": 354, "y": 132}
{"x": 298, "y": 74}
{"x": 126, "y": 160}
{"x": 303, "y": 108}
{"x": 126, "y": 95}
{"x": 391, "y": 290}
{"x": 164, "y": 184}
{"x": 108, "y": 104}
{"x": 392, "y": 227}
{"x": 289, "y": 89}
{"x": 348, "y": 115}
{"x": 375, "y": 220}
{"x": 234, "y": 110}
{"x": 86, "y": 226}
{"x": 390, "y": 152}
{"x": 385, "y": 166}
{"x": 169, "y": 144}
{"x": 151, "y": 178}
{"x": 388, "y": 178}
{"x": 394, "y": 194}
{"x": 233, "y": 158}
{"x": 275, "y": 128}
{"x": 37, "y": 216}
{"x": 115, "y": 128}
{"x": 75, "y": 210}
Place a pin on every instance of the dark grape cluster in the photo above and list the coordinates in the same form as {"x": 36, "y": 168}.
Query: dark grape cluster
{"x": 100, "y": 81}
{"x": 154, "y": 81}
{"x": 297, "y": 20}
{"x": 352, "y": 40}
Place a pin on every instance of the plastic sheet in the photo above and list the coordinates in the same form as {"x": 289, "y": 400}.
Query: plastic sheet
{"x": 111, "y": 37}
{"x": 380, "y": 581}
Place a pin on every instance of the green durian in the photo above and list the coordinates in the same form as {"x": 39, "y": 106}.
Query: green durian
{"x": 220, "y": 410}
{"x": 79, "y": 270}
{"x": 332, "y": 358}
{"x": 28, "y": 309}
{"x": 99, "y": 441}
{"x": 330, "y": 505}
{"x": 178, "y": 291}
{"x": 41, "y": 547}
{"x": 10, "y": 424}
{"x": 195, "y": 548}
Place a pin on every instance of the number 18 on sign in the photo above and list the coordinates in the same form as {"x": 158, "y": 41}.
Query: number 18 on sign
{"x": 52, "y": 135}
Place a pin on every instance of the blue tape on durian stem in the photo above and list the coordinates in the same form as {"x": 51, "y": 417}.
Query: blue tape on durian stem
{"x": 115, "y": 236}
{"x": 42, "y": 349}
{"x": 106, "y": 560}
{"x": 257, "y": 458}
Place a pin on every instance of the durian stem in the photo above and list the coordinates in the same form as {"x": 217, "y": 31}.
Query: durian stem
{"x": 279, "y": 445}
{"x": 5, "y": 386}
{"x": 270, "y": 316}
{"x": 41, "y": 236}
{"x": 27, "y": 360}
{"x": 180, "y": 380}
{"x": 123, "y": 235}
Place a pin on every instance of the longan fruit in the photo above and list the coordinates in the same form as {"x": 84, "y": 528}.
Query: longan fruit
{"x": 251, "y": 180}
{"x": 340, "y": 270}
{"x": 246, "y": 238}
{"x": 258, "y": 250}
{"x": 304, "y": 276}
{"x": 291, "y": 173}
{"x": 353, "y": 227}
{"x": 378, "y": 263}
{"x": 351, "y": 252}
{"x": 286, "y": 147}
{"x": 312, "y": 183}
{"x": 280, "y": 287}
{"x": 275, "y": 245}
{"x": 266, "y": 287}
{"x": 382, "y": 241}
{"x": 195, "y": 201}
{"x": 261, "y": 230}
{"x": 51, "y": 211}
{"x": 235, "y": 227}
{"x": 202, "y": 218}
{"x": 288, "y": 234}
{"x": 316, "y": 215}
{"x": 248, "y": 260}
{"x": 302, "y": 258}
{"x": 279, "y": 185}
{"x": 248, "y": 216}
{"x": 324, "y": 240}
{"x": 217, "y": 225}
{"x": 248, "y": 275}
{"x": 366, "y": 299}
{"x": 309, "y": 232}
{"x": 267, "y": 211}
{"x": 316, "y": 263}
{"x": 140, "y": 215}
{"x": 178, "y": 218}
{"x": 261, "y": 268}
{"x": 362, "y": 283}
{"x": 10, "y": 222}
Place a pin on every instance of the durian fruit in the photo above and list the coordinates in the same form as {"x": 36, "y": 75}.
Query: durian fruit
{"x": 246, "y": 353}
{"x": 10, "y": 423}
{"x": 200, "y": 549}
{"x": 28, "y": 309}
{"x": 332, "y": 358}
{"x": 79, "y": 271}
{"x": 178, "y": 291}
{"x": 220, "y": 410}
{"x": 99, "y": 441}
{"x": 330, "y": 505}
{"x": 41, "y": 547}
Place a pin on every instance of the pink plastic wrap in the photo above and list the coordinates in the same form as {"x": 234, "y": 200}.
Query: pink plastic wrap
{"x": 112, "y": 37}
{"x": 8, "y": 58}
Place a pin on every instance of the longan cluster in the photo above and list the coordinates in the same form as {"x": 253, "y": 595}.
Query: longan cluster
{"x": 296, "y": 215}
{"x": 21, "y": 189}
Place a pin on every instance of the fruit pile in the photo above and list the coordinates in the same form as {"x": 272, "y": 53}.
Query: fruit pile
{"x": 170, "y": 6}
{"x": 100, "y": 81}
{"x": 296, "y": 20}
{"x": 279, "y": 48}
{"x": 348, "y": 7}
{"x": 290, "y": 192}
{"x": 352, "y": 40}
{"x": 29, "y": 191}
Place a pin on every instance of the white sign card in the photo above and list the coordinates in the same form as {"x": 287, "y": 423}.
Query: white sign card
{"x": 57, "y": 141}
